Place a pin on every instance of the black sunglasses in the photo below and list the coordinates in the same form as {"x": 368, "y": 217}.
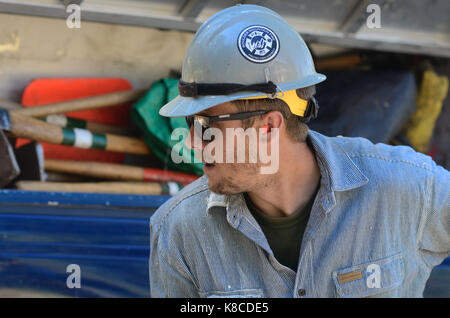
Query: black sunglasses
{"x": 204, "y": 122}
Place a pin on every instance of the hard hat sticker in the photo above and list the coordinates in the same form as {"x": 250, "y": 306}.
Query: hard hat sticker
{"x": 258, "y": 44}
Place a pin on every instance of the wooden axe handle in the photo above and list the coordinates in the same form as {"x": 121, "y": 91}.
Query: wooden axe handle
{"x": 116, "y": 171}
{"x": 35, "y": 129}
{"x": 95, "y": 187}
{"x": 94, "y": 102}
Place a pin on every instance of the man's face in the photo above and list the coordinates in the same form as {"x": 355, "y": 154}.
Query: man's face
{"x": 227, "y": 177}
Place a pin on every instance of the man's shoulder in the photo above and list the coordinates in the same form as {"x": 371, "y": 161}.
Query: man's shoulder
{"x": 365, "y": 151}
{"x": 183, "y": 206}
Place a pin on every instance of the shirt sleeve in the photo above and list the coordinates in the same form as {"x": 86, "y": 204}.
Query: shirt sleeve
{"x": 434, "y": 241}
{"x": 169, "y": 276}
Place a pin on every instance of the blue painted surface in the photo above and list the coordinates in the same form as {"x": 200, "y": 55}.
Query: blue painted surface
{"x": 41, "y": 233}
{"x": 114, "y": 200}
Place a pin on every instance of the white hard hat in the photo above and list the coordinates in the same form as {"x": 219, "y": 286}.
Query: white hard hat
{"x": 240, "y": 52}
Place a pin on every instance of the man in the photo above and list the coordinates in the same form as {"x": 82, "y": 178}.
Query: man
{"x": 337, "y": 217}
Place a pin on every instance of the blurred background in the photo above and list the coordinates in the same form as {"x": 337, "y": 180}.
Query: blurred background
{"x": 108, "y": 72}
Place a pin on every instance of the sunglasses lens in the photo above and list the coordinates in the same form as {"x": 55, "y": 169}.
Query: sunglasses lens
{"x": 189, "y": 121}
{"x": 200, "y": 128}
{"x": 199, "y": 131}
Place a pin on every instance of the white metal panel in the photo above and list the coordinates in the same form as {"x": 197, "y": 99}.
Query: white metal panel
{"x": 412, "y": 26}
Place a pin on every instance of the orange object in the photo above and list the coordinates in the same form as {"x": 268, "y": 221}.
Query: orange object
{"x": 265, "y": 129}
{"x": 53, "y": 90}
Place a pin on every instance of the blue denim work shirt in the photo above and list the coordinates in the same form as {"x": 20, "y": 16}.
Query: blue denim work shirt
{"x": 378, "y": 225}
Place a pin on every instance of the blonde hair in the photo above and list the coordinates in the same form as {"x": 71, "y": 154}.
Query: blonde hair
{"x": 295, "y": 127}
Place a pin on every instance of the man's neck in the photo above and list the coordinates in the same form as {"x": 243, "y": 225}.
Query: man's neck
{"x": 293, "y": 185}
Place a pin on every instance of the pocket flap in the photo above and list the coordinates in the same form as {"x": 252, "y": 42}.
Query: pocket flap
{"x": 370, "y": 278}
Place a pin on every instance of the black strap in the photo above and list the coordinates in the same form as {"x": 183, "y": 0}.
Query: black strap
{"x": 312, "y": 110}
{"x": 201, "y": 89}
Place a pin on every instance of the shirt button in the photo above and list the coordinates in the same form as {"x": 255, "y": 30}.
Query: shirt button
{"x": 301, "y": 292}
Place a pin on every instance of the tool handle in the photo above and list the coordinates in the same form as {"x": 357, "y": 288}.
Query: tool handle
{"x": 35, "y": 129}
{"x": 64, "y": 121}
{"x": 95, "y": 169}
{"x": 117, "y": 171}
{"x": 98, "y": 128}
{"x": 151, "y": 174}
{"x": 6, "y": 104}
{"x": 73, "y": 105}
{"x": 95, "y": 187}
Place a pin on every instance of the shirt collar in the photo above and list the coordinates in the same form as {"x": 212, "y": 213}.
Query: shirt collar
{"x": 216, "y": 200}
{"x": 335, "y": 164}
{"x": 339, "y": 173}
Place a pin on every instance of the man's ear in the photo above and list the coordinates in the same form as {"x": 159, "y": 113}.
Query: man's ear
{"x": 273, "y": 119}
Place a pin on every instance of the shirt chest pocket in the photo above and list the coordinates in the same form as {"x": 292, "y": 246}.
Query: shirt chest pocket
{"x": 374, "y": 278}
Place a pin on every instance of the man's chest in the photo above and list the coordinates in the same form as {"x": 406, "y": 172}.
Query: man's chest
{"x": 346, "y": 254}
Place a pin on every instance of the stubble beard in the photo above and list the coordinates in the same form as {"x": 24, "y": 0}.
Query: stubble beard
{"x": 239, "y": 178}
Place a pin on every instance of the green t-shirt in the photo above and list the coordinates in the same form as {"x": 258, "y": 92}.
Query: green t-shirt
{"x": 284, "y": 234}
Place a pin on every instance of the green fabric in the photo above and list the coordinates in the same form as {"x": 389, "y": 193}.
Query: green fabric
{"x": 157, "y": 129}
{"x": 284, "y": 234}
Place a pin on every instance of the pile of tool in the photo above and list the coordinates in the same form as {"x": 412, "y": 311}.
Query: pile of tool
{"x": 26, "y": 167}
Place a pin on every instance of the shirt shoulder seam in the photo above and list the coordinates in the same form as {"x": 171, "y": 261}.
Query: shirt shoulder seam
{"x": 174, "y": 205}
{"x": 424, "y": 165}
